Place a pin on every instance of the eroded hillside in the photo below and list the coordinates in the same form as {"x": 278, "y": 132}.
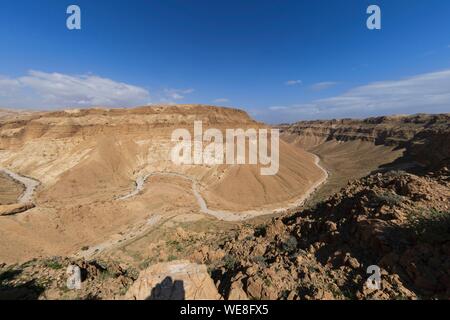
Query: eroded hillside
{"x": 85, "y": 161}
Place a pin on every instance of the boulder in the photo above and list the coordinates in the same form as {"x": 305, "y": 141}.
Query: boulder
{"x": 175, "y": 280}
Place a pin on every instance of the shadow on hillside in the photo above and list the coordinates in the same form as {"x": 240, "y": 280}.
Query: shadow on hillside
{"x": 168, "y": 290}
{"x": 29, "y": 290}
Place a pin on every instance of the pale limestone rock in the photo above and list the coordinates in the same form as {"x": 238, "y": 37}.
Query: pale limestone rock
{"x": 175, "y": 280}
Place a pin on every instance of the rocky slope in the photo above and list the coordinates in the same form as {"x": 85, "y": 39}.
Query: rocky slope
{"x": 107, "y": 280}
{"x": 397, "y": 221}
{"x": 47, "y": 279}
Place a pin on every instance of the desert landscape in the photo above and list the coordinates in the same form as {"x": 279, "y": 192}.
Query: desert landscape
{"x": 95, "y": 188}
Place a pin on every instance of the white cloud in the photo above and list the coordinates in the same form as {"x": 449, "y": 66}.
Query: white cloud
{"x": 176, "y": 94}
{"x": 56, "y": 90}
{"x": 427, "y": 93}
{"x": 8, "y": 86}
{"x": 323, "y": 85}
{"x": 221, "y": 100}
{"x": 278, "y": 108}
{"x": 293, "y": 82}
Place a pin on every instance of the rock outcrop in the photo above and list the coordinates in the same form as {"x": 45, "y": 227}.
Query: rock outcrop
{"x": 11, "y": 209}
{"x": 175, "y": 280}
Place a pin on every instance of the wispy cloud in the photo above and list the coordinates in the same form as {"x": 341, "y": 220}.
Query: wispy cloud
{"x": 293, "y": 82}
{"x": 278, "y": 108}
{"x": 428, "y": 93}
{"x": 52, "y": 90}
{"x": 177, "y": 94}
{"x": 221, "y": 100}
{"x": 323, "y": 85}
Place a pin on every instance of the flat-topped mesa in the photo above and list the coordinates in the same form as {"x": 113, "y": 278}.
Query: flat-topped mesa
{"x": 387, "y": 130}
{"x": 219, "y": 114}
{"x": 90, "y": 122}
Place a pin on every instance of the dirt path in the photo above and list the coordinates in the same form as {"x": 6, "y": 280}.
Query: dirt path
{"x": 122, "y": 239}
{"x": 227, "y": 215}
{"x": 156, "y": 220}
{"x": 29, "y": 183}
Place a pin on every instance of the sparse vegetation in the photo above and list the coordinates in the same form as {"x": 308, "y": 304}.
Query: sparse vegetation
{"x": 260, "y": 231}
{"x": 147, "y": 262}
{"x": 230, "y": 262}
{"x": 172, "y": 257}
{"x": 52, "y": 264}
{"x": 431, "y": 226}
{"x": 260, "y": 260}
{"x": 290, "y": 245}
{"x": 267, "y": 282}
{"x": 106, "y": 274}
{"x": 176, "y": 245}
{"x": 390, "y": 199}
{"x": 396, "y": 173}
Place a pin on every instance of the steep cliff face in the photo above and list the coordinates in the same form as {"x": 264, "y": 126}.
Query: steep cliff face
{"x": 431, "y": 147}
{"x": 425, "y": 137}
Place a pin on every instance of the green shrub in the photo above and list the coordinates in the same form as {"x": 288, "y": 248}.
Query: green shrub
{"x": 230, "y": 262}
{"x": 432, "y": 226}
{"x": 176, "y": 245}
{"x": 391, "y": 199}
{"x": 290, "y": 245}
{"x": 172, "y": 258}
{"x": 260, "y": 260}
{"x": 260, "y": 231}
{"x": 52, "y": 264}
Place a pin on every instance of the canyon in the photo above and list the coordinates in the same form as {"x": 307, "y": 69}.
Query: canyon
{"x": 85, "y": 160}
{"x": 106, "y": 196}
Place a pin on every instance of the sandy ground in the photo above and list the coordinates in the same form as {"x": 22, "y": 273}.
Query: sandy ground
{"x": 156, "y": 221}
{"x": 228, "y": 215}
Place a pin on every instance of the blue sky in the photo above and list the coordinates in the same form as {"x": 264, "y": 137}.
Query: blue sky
{"x": 281, "y": 61}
